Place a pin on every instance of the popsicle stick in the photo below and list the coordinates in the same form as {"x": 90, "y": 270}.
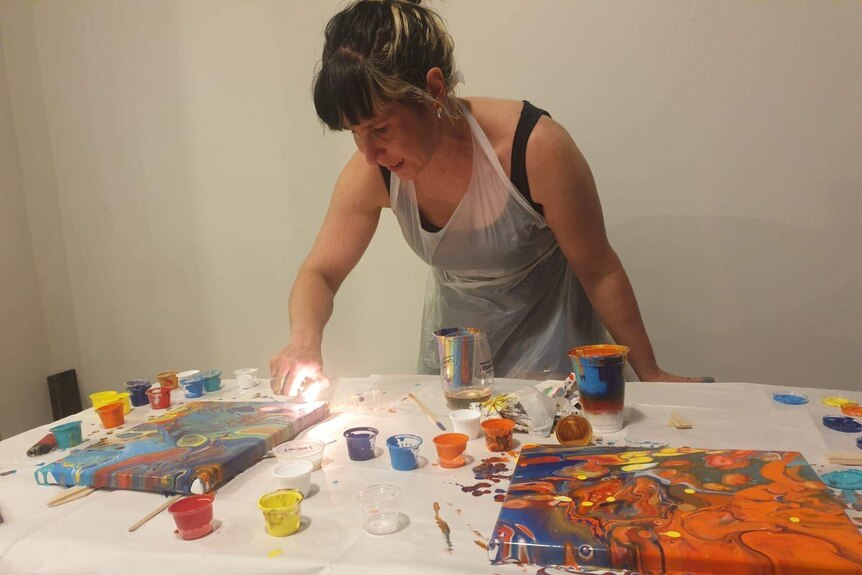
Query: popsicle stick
{"x": 843, "y": 458}
{"x": 679, "y": 422}
{"x": 71, "y": 494}
{"x": 155, "y": 512}
{"x": 427, "y": 412}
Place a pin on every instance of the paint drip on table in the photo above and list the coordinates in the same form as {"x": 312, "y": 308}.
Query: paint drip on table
{"x": 491, "y": 471}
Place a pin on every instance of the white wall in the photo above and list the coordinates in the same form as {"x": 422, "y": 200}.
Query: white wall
{"x": 23, "y": 337}
{"x": 191, "y": 175}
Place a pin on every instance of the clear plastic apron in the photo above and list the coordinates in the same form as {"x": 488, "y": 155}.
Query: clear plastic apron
{"x": 497, "y": 266}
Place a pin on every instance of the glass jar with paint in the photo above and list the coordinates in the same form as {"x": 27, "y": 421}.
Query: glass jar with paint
{"x": 466, "y": 366}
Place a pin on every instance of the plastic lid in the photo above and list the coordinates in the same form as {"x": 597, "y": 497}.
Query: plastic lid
{"x": 299, "y": 449}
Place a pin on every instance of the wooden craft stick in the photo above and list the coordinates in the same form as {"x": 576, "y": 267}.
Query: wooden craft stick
{"x": 71, "y": 494}
{"x": 155, "y": 512}
{"x": 679, "y": 422}
{"x": 843, "y": 458}
{"x": 427, "y": 412}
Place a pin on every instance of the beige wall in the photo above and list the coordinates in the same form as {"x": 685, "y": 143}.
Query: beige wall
{"x": 23, "y": 337}
{"x": 190, "y": 176}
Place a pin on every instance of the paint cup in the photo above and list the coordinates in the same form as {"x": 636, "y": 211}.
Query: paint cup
{"x": 573, "y": 431}
{"x": 111, "y": 415}
{"x": 309, "y": 450}
{"x": 212, "y": 380}
{"x": 379, "y": 505}
{"x": 137, "y": 389}
{"x": 193, "y": 515}
{"x": 366, "y": 401}
{"x": 402, "y": 451}
{"x": 101, "y": 398}
{"x": 246, "y": 377}
{"x": 160, "y": 397}
{"x": 68, "y": 434}
{"x": 450, "y": 446}
{"x": 124, "y": 398}
{"x": 168, "y": 378}
{"x": 466, "y": 366}
{"x": 360, "y": 443}
{"x": 281, "y": 511}
{"x": 602, "y": 384}
{"x": 194, "y": 386}
{"x": 294, "y": 475}
{"x": 498, "y": 434}
{"x": 466, "y": 421}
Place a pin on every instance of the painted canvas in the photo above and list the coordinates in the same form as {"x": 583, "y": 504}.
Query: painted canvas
{"x": 192, "y": 449}
{"x": 673, "y": 511}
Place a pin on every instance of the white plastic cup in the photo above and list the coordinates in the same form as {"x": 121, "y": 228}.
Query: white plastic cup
{"x": 466, "y": 421}
{"x": 294, "y": 475}
{"x": 380, "y": 505}
{"x": 245, "y": 377}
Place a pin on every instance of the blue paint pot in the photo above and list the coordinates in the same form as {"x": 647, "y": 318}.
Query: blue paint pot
{"x": 68, "y": 435}
{"x": 859, "y": 442}
{"x": 137, "y": 389}
{"x": 790, "y": 398}
{"x": 845, "y": 424}
{"x": 212, "y": 380}
{"x": 360, "y": 443}
{"x": 194, "y": 386}
{"x": 402, "y": 451}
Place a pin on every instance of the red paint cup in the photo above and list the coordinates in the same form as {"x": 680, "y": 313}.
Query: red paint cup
{"x": 450, "y": 446}
{"x": 160, "y": 397}
{"x": 193, "y": 515}
{"x": 111, "y": 415}
{"x": 498, "y": 434}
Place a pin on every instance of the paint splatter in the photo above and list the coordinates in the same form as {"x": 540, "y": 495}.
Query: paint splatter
{"x": 444, "y": 527}
{"x": 10, "y": 472}
{"x": 492, "y": 469}
{"x": 477, "y": 490}
{"x": 844, "y": 424}
{"x": 790, "y": 398}
{"x": 274, "y": 553}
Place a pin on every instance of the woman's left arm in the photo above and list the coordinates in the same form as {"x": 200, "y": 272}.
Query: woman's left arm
{"x": 561, "y": 181}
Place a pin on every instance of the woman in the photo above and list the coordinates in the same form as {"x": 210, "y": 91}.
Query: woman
{"x": 493, "y": 194}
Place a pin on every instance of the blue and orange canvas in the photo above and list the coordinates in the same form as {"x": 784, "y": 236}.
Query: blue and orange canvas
{"x": 192, "y": 449}
{"x": 673, "y": 511}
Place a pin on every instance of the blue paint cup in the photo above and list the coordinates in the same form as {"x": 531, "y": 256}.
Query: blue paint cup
{"x": 194, "y": 386}
{"x": 68, "y": 435}
{"x": 402, "y": 451}
{"x": 137, "y": 389}
{"x": 212, "y": 380}
{"x": 360, "y": 443}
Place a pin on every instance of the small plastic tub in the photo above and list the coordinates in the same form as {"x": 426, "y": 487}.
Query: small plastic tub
{"x": 125, "y": 399}
{"x": 402, "y": 451}
{"x": 111, "y": 415}
{"x": 194, "y": 386}
{"x": 450, "y": 446}
{"x": 309, "y": 450}
{"x": 294, "y": 475}
{"x": 498, "y": 434}
{"x": 160, "y": 397}
{"x": 360, "y": 443}
{"x": 68, "y": 434}
{"x": 212, "y": 380}
{"x": 281, "y": 511}
{"x": 137, "y": 389}
{"x": 168, "y": 378}
{"x": 246, "y": 377}
{"x": 193, "y": 515}
{"x": 101, "y": 398}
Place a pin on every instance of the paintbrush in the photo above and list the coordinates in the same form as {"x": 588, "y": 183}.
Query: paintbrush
{"x": 427, "y": 412}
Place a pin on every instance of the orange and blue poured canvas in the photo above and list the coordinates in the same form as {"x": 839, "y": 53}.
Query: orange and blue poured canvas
{"x": 673, "y": 511}
{"x": 192, "y": 449}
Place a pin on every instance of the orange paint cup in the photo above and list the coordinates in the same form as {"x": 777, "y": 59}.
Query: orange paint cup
{"x": 450, "y": 446}
{"x": 111, "y": 415}
{"x": 498, "y": 434}
{"x": 168, "y": 379}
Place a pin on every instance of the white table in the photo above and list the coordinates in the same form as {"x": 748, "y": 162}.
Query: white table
{"x": 91, "y": 535}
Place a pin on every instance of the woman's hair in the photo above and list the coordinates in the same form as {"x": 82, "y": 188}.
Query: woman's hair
{"x": 376, "y": 51}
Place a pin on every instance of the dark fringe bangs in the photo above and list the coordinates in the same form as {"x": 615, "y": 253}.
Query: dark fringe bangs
{"x": 344, "y": 92}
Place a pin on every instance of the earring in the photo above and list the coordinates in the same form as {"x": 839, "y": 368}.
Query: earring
{"x": 439, "y": 112}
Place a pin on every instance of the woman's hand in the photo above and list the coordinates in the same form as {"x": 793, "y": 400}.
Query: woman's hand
{"x": 661, "y": 375}
{"x": 293, "y": 365}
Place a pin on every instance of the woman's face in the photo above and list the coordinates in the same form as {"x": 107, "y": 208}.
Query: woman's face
{"x": 399, "y": 137}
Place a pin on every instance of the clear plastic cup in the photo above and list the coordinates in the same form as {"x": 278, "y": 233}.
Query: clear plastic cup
{"x": 380, "y": 506}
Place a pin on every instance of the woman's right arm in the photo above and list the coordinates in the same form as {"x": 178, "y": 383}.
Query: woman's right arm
{"x": 359, "y": 195}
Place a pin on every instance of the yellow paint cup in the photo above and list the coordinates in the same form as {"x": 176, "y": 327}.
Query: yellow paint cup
{"x": 124, "y": 396}
{"x": 281, "y": 511}
{"x": 101, "y": 398}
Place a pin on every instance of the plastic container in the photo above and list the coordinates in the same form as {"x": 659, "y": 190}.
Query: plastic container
{"x": 137, "y": 389}
{"x": 168, "y": 378}
{"x": 402, "y": 451}
{"x": 380, "y": 505}
{"x": 450, "y": 446}
{"x": 245, "y": 377}
{"x": 360, "y": 443}
{"x": 194, "y": 386}
{"x": 600, "y": 370}
{"x": 68, "y": 434}
{"x": 281, "y": 511}
{"x": 111, "y": 415}
{"x": 309, "y": 450}
{"x": 466, "y": 421}
{"x": 125, "y": 399}
{"x": 101, "y": 398}
{"x": 498, "y": 434}
{"x": 212, "y": 380}
{"x": 294, "y": 475}
{"x": 573, "y": 431}
{"x": 193, "y": 515}
{"x": 160, "y": 397}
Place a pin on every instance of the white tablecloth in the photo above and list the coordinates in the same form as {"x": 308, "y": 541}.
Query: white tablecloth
{"x": 91, "y": 535}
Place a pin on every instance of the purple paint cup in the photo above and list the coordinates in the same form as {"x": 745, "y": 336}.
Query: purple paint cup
{"x": 360, "y": 443}
{"x": 137, "y": 389}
